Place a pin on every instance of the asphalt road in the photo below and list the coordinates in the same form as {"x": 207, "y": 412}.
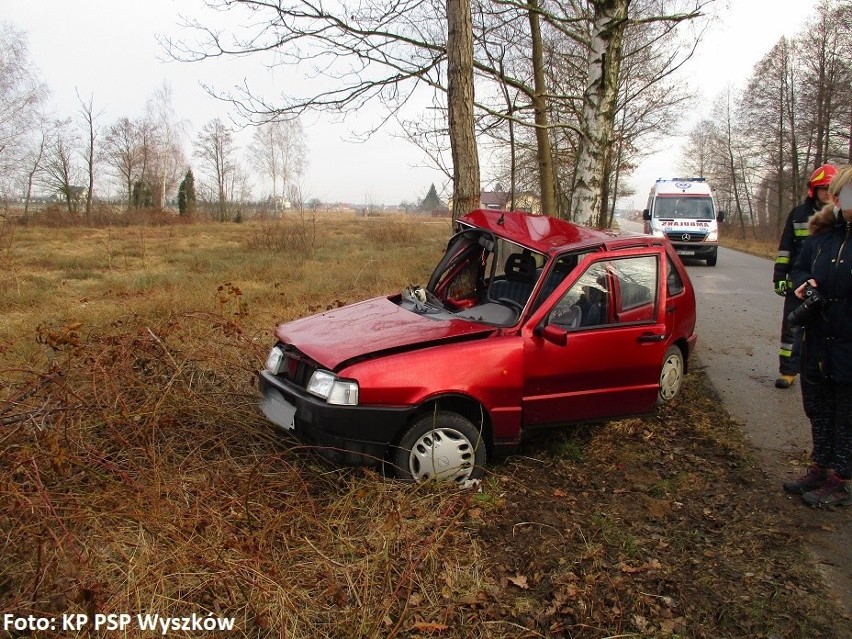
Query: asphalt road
{"x": 739, "y": 325}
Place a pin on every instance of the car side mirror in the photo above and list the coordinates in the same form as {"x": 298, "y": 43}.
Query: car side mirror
{"x": 553, "y": 334}
{"x": 646, "y": 215}
{"x": 720, "y": 216}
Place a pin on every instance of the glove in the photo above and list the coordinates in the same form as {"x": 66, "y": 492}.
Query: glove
{"x": 782, "y": 287}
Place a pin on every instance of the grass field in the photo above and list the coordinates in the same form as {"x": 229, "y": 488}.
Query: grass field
{"x": 137, "y": 475}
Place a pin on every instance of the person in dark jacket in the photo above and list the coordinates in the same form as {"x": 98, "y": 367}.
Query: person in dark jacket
{"x": 794, "y": 234}
{"x": 824, "y": 269}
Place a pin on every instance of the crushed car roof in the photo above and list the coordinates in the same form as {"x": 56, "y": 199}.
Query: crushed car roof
{"x": 543, "y": 233}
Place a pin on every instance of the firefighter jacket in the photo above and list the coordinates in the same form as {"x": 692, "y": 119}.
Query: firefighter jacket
{"x": 794, "y": 234}
{"x": 826, "y": 257}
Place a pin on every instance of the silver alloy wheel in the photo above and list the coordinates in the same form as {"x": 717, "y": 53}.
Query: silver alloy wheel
{"x": 671, "y": 376}
{"x": 441, "y": 453}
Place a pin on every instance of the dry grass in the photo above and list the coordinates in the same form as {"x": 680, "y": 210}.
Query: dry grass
{"x": 753, "y": 246}
{"x": 137, "y": 475}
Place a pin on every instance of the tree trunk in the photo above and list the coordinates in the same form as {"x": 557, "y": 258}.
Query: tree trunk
{"x": 466, "y": 193}
{"x": 599, "y": 102}
{"x": 547, "y": 183}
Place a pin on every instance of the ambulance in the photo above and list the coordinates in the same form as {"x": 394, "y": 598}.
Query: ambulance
{"x": 684, "y": 211}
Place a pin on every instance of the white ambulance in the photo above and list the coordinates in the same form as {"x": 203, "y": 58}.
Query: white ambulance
{"x": 684, "y": 210}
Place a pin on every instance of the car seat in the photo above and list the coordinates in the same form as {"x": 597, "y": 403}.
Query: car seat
{"x": 520, "y": 276}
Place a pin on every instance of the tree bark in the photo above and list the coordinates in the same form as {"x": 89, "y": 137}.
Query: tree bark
{"x": 599, "y": 102}
{"x": 547, "y": 183}
{"x": 466, "y": 189}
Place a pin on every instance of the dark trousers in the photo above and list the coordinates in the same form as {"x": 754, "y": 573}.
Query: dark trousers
{"x": 791, "y": 339}
{"x": 829, "y": 407}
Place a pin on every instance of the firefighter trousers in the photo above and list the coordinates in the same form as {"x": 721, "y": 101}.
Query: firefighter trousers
{"x": 791, "y": 339}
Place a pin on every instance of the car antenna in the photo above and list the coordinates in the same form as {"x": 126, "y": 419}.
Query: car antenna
{"x": 501, "y": 221}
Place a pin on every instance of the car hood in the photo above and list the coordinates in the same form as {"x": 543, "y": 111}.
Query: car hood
{"x": 369, "y": 328}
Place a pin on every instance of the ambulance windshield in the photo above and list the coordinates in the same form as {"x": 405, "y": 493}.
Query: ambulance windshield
{"x": 691, "y": 208}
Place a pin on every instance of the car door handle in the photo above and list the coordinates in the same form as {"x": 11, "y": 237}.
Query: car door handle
{"x": 671, "y": 308}
{"x": 652, "y": 337}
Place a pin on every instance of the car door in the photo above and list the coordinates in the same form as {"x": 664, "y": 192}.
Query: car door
{"x": 596, "y": 346}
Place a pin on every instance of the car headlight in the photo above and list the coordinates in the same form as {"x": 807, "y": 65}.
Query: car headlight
{"x": 275, "y": 360}
{"x": 712, "y": 236}
{"x": 333, "y": 390}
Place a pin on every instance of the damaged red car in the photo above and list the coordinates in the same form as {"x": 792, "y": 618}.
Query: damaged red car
{"x": 527, "y": 322}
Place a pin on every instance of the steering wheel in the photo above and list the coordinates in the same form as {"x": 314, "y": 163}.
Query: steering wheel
{"x": 512, "y": 303}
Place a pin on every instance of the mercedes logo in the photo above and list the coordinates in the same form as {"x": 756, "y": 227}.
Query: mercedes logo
{"x": 686, "y": 237}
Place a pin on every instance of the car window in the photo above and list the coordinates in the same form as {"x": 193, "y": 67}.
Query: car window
{"x": 636, "y": 278}
{"x": 674, "y": 283}
{"x": 563, "y": 265}
{"x": 585, "y": 303}
{"x": 610, "y": 292}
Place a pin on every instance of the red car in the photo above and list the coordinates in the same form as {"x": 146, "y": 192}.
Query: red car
{"x": 528, "y": 321}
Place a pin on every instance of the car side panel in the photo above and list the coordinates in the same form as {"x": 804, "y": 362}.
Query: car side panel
{"x": 489, "y": 371}
{"x": 601, "y": 371}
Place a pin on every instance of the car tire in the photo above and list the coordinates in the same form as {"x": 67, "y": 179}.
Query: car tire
{"x": 711, "y": 261}
{"x": 440, "y": 445}
{"x": 671, "y": 375}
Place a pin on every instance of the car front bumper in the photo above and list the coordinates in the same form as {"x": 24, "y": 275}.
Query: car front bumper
{"x": 354, "y": 435}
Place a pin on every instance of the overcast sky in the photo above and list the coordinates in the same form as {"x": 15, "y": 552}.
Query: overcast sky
{"x": 109, "y": 49}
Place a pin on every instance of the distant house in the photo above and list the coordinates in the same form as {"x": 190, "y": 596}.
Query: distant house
{"x": 501, "y": 200}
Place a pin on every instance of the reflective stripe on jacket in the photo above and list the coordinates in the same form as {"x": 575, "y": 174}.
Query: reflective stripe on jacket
{"x": 794, "y": 234}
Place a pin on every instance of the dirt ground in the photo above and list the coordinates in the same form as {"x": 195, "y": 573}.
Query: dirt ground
{"x": 651, "y": 527}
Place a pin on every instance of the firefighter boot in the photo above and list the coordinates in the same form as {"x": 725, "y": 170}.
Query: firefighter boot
{"x": 785, "y": 381}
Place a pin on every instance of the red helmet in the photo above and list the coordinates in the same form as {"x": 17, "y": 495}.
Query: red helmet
{"x": 821, "y": 177}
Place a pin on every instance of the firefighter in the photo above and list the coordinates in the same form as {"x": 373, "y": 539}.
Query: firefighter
{"x": 794, "y": 234}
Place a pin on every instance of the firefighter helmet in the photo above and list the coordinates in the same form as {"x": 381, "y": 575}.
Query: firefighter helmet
{"x": 821, "y": 177}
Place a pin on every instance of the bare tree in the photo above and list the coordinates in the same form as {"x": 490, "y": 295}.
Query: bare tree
{"x": 728, "y": 147}
{"x": 34, "y": 163}
{"x": 61, "y": 171}
{"x": 385, "y": 52}
{"x": 124, "y": 153}
{"x": 216, "y": 152}
{"x": 90, "y": 129}
{"x": 165, "y": 161}
{"x": 21, "y": 95}
{"x": 698, "y": 152}
{"x": 770, "y": 121}
{"x": 821, "y": 46}
{"x": 278, "y": 151}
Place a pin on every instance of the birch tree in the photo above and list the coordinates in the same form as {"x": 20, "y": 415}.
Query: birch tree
{"x": 21, "y": 96}
{"x": 279, "y": 152}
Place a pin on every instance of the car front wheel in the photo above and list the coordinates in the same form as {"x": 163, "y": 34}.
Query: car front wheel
{"x": 671, "y": 375}
{"x": 440, "y": 445}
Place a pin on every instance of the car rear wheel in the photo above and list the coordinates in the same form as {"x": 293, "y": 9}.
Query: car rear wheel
{"x": 442, "y": 446}
{"x": 671, "y": 375}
